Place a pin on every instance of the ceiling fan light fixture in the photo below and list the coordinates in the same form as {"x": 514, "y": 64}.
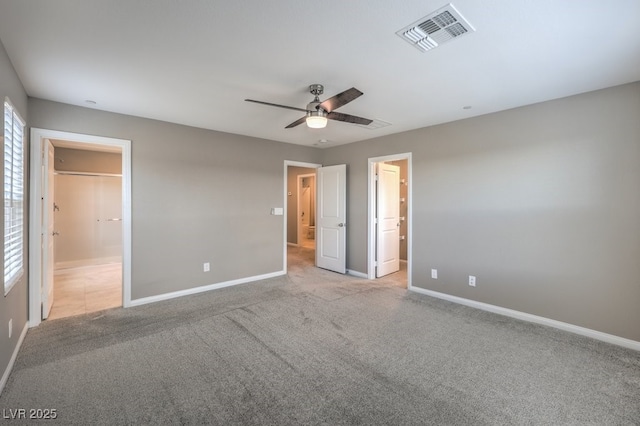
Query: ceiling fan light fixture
{"x": 317, "y": 113}
{"x": 317, "y": 120}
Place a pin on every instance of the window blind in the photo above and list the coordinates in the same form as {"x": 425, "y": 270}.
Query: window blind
{"x": 13, "y": 197}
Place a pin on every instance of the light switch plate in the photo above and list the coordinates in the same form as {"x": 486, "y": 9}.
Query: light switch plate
{"x": 277, "y": 211}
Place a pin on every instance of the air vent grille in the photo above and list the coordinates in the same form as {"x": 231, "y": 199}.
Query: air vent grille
{"x": 443, "y": 19}
{"x": 436, "y": 28}
{"x": 456, "y": 30}
{"x": 429, "y": 26}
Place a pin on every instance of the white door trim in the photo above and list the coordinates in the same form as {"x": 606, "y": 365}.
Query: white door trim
{"x": 371, "y": 245}
{"x": 288, "y": 163}
{"x": 35, "y": 211}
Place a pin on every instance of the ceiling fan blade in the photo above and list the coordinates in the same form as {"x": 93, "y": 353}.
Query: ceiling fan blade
{"x": 340, "y": 99}
{"x": 297, "y": 122}
{"x": 276, "y": 105}
{"x": 349, "y": 118}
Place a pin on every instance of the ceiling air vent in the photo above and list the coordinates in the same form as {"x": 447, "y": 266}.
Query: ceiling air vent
{"x": 436, "y": 28}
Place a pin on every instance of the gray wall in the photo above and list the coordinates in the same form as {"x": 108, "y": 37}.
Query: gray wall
{"x": 541, "y": 203}
{"x": 15, "y": 304}
{"x": 198, "y": 196}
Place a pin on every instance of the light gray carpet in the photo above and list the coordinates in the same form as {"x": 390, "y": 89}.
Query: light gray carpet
{"x": 316, "y": 347}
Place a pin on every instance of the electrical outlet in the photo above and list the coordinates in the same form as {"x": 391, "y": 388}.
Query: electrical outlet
{"x": 10, "y": 327}
{"x": 472, "y": 281}
{"x": 206, "y": 267}
{"x": 434, "y": 274}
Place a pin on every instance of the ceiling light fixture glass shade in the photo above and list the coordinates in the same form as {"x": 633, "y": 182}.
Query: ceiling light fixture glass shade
{"x": 317, "y": 120}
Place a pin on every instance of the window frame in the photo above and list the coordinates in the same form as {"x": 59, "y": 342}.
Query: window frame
{"x": 14, "y": 194}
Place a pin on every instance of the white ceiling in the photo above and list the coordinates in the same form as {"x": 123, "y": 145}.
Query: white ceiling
{"x": 195, "y": 61}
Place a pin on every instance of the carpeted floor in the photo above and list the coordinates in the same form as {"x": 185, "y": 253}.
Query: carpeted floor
{"x": 318, "y": 348}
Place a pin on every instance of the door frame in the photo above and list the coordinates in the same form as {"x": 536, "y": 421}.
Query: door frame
{"x": 37, "y": 140}
{"x": 285, "y": 198}
{"x": 371, "y": 208}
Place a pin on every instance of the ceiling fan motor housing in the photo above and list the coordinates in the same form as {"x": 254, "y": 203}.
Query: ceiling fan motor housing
{"x": 316, "y": 89}
{"x": 314, "y": 110}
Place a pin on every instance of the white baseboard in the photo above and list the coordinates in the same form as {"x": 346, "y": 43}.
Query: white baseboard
{"x": 202, "y": 289}
{"x": 7, "y": 371}
{"x": 598, "y": 335}
{"x": 357, "y": 274}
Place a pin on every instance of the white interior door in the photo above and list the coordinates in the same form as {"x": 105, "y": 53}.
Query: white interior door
{"x": 387, "y": 219}
{"x": 331, "y": 218}
{"x": 48, "y": 226}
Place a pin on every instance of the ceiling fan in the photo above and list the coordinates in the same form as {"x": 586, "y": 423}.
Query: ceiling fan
{"x": 318, "y": 112}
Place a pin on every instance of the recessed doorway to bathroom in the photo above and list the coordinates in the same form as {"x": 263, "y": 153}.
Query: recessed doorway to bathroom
{"x": 389, "y": 248}
{"x": 307, "y": 210}
{"x": 301, "y": 206}
{"x": 87, "y": 219}
{"x": 300, "y": 202}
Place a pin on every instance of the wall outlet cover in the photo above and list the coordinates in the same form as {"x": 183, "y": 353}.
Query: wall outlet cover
{"x": 434, "y": 274}
{"x": 472, "y": 281}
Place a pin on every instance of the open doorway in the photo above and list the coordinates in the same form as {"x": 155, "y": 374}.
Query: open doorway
{"x": 306, "y": 211}
{"x": 300, "y": 211}
{"x": 112, "y": 223}
{"x": 330, "y": 234}
{"x": 87, "y": 223}
{"x": 389, "y": 248}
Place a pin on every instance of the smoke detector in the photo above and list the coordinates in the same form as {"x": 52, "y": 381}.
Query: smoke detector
{"x": 439, "y": 27}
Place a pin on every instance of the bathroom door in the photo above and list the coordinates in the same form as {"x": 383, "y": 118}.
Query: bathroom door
{"x": 331, "y": 218}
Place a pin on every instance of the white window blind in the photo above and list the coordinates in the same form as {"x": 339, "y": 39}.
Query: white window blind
{"x": 13, "y": 197}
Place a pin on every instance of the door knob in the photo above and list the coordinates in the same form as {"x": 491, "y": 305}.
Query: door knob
{"x": 341, "y": 224}
{"x": 55, "y": 233}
